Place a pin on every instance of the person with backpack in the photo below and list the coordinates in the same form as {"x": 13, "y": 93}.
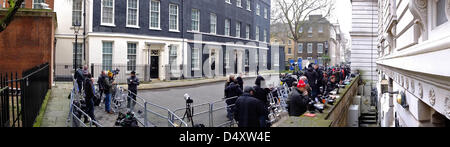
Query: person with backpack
{"x": 298, "y": 100}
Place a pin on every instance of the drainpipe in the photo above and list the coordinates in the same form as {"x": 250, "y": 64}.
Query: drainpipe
{"x": 84, "y": 32}
{"x": 182, "y": 36}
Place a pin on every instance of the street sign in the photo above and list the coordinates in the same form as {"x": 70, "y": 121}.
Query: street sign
{"x": 300, "y": 63}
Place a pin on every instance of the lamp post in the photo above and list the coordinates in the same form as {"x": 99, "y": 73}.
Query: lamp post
{"x": 76, "y": 28}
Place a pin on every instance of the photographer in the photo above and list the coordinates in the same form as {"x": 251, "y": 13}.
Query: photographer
{"x": 232, "y": 89}
{"x": 100, "y": 82}
{"x": 298, "y": 100}
{"x": 108, "y": 83}
{"x": 133, "y": 82}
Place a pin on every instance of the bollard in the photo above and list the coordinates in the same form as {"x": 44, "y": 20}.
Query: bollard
{"x": 145, "y": 114}
{"x": 211, "y": 120}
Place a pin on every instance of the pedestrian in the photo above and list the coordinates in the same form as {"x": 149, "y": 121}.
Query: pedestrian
{"x": 133, "y": 82}
{"x": 108, "y": 83}
{"x": 319, "y": 78}
{"x": 298, "y": 100}
{"x": 261, "y": 90}
{"x": 100, "y": 83}
{"x": 89, "y": 91}
{"x": 79, "y": 78}
{"x": 312, "y": 76}
{"x": 240, "y": 81}
{"x": 249, "y": 111}
{"x": 331, "y": 85}
{"x": 232, "y": 91}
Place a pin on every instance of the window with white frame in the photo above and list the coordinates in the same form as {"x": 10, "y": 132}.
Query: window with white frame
{"x": 133, "y": 13}
{"x": 108, "y": 12}
{"x": 266, "y": 14}
{"x": 173, "y": 52}
{"x": 265, "y": 35}
{"x": 155, "y": 6}
{"x": 276, "y": 59}
{"x": 257, "y": 33}
{"x": 238, "y": 29}
{"x": 310, "y": 58}
{"x": 228, "y": 1}
{"x": 213, "y": 23}
{"x": 107, "y": 56}
{"x": 264, "y": 58}
{"x": 310, "y": 35}
{"x": 289, "y": 42}
{"x": 131, "y": 64}
{"x": 78, "y": 53}
{"x": 441, "y": 16}
{"x": 37, "y": 4}
{"x": 227, "y": 27}
{"x": 300, "y": 48}
{"x": 247, "y": 32}
{"x": 310, "y": 30}
{"x": 320, "y": 28}
{"x": 289, "y": 51}
{"x": 310, "y": 48}
{"x": 227, "y": 59}
{"x": 239, "y": 3}
{"x": 21, "y": 6}
{"x": 320, "y": 48}
{"x": 195, "y": 21}
{"x": 247, "y": 60}
{"x": 195, "y": 62}
{"x": 77, "y": 12}
{"x": 249, "y": 5}
{"x": 258, "y": 9}
{"x": 173, "y": 17}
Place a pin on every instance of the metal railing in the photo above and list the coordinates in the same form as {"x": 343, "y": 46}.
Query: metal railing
{"x": 22, "y": 97}
{"x": 146, "y": 117}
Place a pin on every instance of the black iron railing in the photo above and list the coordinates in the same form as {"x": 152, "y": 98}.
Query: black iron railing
{"x": 22, "y": 97}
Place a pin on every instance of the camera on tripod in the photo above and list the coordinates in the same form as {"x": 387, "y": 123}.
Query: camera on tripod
{"x": 188, "y": 99}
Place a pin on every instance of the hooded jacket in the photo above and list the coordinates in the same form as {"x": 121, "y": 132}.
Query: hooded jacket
{"x": 250, "y": 112}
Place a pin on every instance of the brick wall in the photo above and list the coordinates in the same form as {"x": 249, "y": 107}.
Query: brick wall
{"x": 28, "y": 41}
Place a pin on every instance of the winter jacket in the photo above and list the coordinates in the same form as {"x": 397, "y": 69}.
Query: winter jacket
{"x": 240, "y": 81}
{"x": 312, "y": 77}
{"x": 261, "y": 94}
{"x": 232, "y": 90}
{"x": 250, "y": 112}
{"x": 330, "y": 87}
{"x": 89, "y": 89}
{"x": 133, "y": 82}
{"x": 100, "y": 81}
{"x": 79, "y": 75}
{"x": 108, "y": 85}
{"x": 297, "y": 103}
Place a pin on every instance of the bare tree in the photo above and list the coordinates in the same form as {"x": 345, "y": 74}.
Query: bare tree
{"x": 14, "y": 5}
{"x": 294, "y": 13}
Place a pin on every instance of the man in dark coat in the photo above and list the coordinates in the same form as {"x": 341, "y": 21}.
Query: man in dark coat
{"x": 240, "y": 81}
{"x": 100, "y": 82}
{"x": 132, "y": 82}
{"x": 319, "y": 78}
{"x": 79, "y": 77}
{"x": 331, "y": 85}
{"x": 312, "y": 76}
{"x": 249, "y": 111}
{"x": 232, "y": 91}
{"x": 261, "y": 91}
{"x": 89, "y": 91}
{"x": 298, "y": 100}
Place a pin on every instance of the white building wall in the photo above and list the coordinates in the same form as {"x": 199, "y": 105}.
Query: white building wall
{"x": 364, "y": 32}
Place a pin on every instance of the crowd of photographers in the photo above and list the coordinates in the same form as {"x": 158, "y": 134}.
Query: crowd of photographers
{"x": 105, "y": 82}
{"x": 313, "y": 87}
{"x": 308, "y": 87}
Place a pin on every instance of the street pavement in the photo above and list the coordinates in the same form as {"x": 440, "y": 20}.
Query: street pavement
{"x": 58, "y": 106}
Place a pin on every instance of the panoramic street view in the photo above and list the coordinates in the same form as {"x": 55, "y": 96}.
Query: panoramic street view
{"x": 224, "y": 64}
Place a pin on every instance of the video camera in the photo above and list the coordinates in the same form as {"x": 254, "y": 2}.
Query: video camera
{"x": 188, "y": 99}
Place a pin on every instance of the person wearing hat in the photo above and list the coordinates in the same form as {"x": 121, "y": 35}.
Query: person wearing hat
{"x": 249, "y": 111}
{"x": 298, "y": 100}
{"x": 108, "y": 83}
{"x": 132, "y": 82}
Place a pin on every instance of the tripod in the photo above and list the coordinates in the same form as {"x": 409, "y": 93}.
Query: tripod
{"x": 189, "y": 111}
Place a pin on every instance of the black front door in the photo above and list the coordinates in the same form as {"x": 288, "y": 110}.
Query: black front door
{"x": 154, "y": 67}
